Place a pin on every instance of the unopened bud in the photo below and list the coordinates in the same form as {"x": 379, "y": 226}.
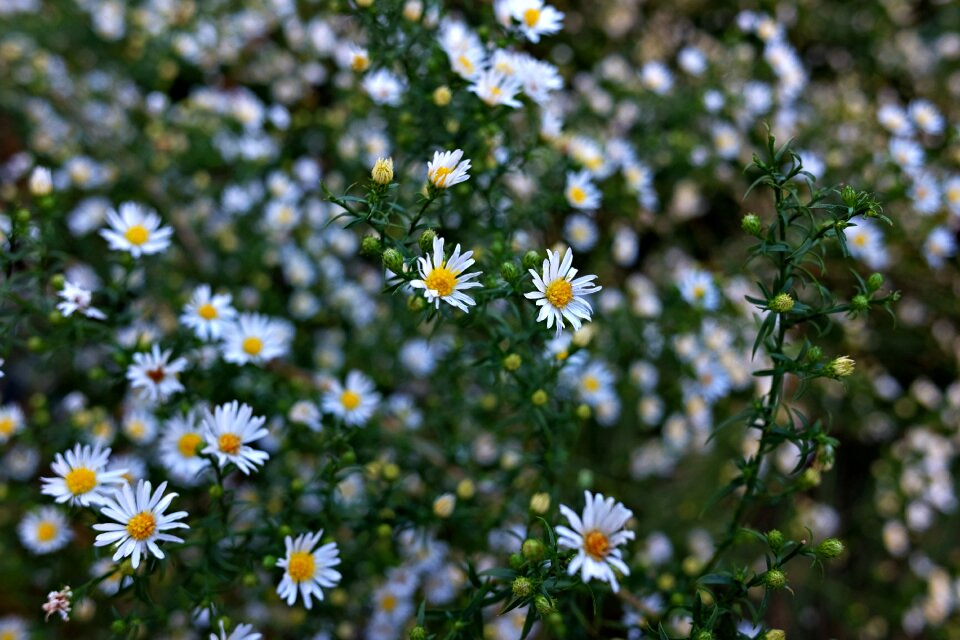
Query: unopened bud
{"x": 544, "y": 605}
{"x": 532, "y": 260}
{"x": 775, "y": 634}
{"x": 540, "y": 502}
{"x": 539, "y": 397}
{"x": 509, "y": 271}
{"x": 382, "y": 172}
{"x": 512, "y": 362}
{"x": 442, "y": 96}
{"x": 830, "y": 548}
{"x": 426, "y": 240}
{"x": 41, "y": 182}
{"x": 860, "y": 303}
{"x": 522, "y": 587}
{"x": 393, "y": 261}
{"x": 751, "y": 224}
{"x": 704, "y": 634}
{"x": 781, "y": 303}
{"x": 515, "y": 561}
{"x": 533, "y": 550}
{"x": 418, "y": 633}
{"x": 840, "y": 367}
{"x": 875, "y": 281}
{"x": 775, "y": 579}
{"x": 370, "y": 246}
{"x": 443, "y": 506}
{"x": 775, "y": 539}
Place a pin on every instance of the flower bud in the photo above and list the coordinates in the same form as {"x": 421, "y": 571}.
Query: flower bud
{"x": 775, "y": 579}
{"x": 781, "y": 303}
{"x": 58, "y": 281}
{"x": 539, "y": 397}
{"x": 382, "y": 172}
{"x": 416, "y": 303}
{"x": 512, "y": 362}
{"x": 814, "y": 354}
{"x": 509, "y": 272}
{"x": 269, "y": 562}
{"x": 840, "y": 367}
{"x": 860, "y": 303}
{"x": 442, "y": 96}
{"x": 370, "y": 246}
{"x": 443, "y": 506}
{"x": 393, "y": 261}
{"x": 775, "y": 634}
{"x": 532, "y": 260}
{"x": 830, "y": 548}
{"x": 775, "y": 540}
{"x": 809, "y": 479}
{"x": 751, "y": 224}
{"x": 544, "y": 605}
{"x": 583, "y": 411}
{"x": 704, "y": 634}
{"x": 418, "y": 633}
{"x": 215, "y": 491}
{"x": 41, "y": 182}
{"x": 533, "y": 550}
{"x": 849, "y": 195}
{"x": 875, "y": 281}
{"x": 522, "y": 587}
{"x": 426, "y": 240}
{"x": 540, "y": 502}
{"x": 515, "y": 561}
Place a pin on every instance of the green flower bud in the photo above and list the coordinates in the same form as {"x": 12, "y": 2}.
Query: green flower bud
{"x": 284, "y": 531}
{"x": 532, "y": 260}
{"x": 533, "y": 550}
{"x": 418, "y": 633}
{"x": 58, "y": 281}
{"x": 34, "y": 343}
{"x": 751, "y": 224}
{"x": 370, "y": 246}
{"x": 269, "y": 562}
{"x": 118, "y": 626}
{"x": 382, "y": 172}
{"x": 840, "y": 367}
{"x": 860, "y": 303}
{"x": 393, "y": 261}
{"x": 775, "y": 540}
{"x": 830, "y": 548}
{"x": 515, "y": 561}
{"x": 775, "y": 634}
{"x": 348, "y": 458}
{"x": 539, "y": 397}
{"x": 583, "y": 411}
{"x": 23, "y": 216}
{"x": 775, "y": 579}
{"x": 522, "y": 587}
{"x": 809, "y": 479}
{"x": 426, "y": 240}
{"x": 509, "y": 272}
{"x": 849, "y": 196}
{"x": 781, "y": 303}
{"x": 704, "y": 634}
{"x": 416, "y": 303}
{"x": 215, "y": 491}
{"x": 512, "y": 362}
{"x": 875, "y": 281}
{"x": 544, "y": 605}
{"x": 814, "y": 354}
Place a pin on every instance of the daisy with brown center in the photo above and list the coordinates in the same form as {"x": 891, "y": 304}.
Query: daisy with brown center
{"x": 596, "y": 537}
{"x": 45, "y": 530}
{"x": 140, "y": 522}
{"x": 559, "y": 295}
{"x": 443, "y": 279}
{"x": 306, "y": 569}
{"x": 81, "y": 478}
{"x": 136, "y": 230}
{"x": 228, "y": 432}
{"x": 153, "y": 376}
{"x": 446, "y": 169}
{"x": 207, "y": 314}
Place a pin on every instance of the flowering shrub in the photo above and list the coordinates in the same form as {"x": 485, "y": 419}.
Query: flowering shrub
{"x": 427, "y": 319}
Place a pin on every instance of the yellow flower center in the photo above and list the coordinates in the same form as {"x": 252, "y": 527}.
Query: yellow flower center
{"x": 46, "y": 531}
{"x": 253, "y": 345}
{"x": 578, "y": 195}
{"x": 389, "y": 603}
{"x": 6, "y": 426}
{"x": 441, "y": 280}
{"x": 699, "y": 291}
{"x": 207, "y": 311}
{"x": 81, "y": 480}
{"x": 229, "y": 443}
{"x": 187, "y": 444}
{"x": 860, "y": 240}
{"x": 360, "y": 63}
{"x": 466, "y": 64}
{"x": 142, "y": 525}
{"x": 596, "y": 544}
{"x": 560, "y": 293}
{"x": 350, "y": 400}
{"x": 137, "y": 234}
{"x": 531, "y": 17}
{"x": 953, "y": 194}
{"x": 300, "y": 566}
{"x": 440, "y": 174}
{"x": 591, "y": 384}
{"x": 136, "y": 429}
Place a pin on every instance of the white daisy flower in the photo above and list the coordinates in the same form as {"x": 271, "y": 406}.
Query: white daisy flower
{"x": 306, "y": 413}
{"x": 353, "y": 402}
{"x": 181, "y": 439}
{"x": 580, "y": 191}
{"x": 446, "y": 169}
{"x": 558, "y": 295}
{"x": 443, "y": 279}
{"x": 926, "y": 116}
{"x": 241, "y": 632}
{"x": 40, "y": 181}
{"x": 136, "y": 230}
{"x": 77, "y": 299}
{"x": 207, "y": 314}
{"x": 140, "y": 426}
{"x": 44, "y": 530}
{"x": 307, "y": 570}
{"x": 384, "y": 87}
{"x": 11, "y": 422}
{"x": 153, "y": 377}
{"x": 581, "y": 232}
{"x": 255, "y": 338}
{"x": 539, "y": 79}
{"x": 596, "y": 537}
{"x": 536, "y": 19}
{"x": 496, "y": 88}
{"x": 13, "y": 628}
{"x": 228, "y": 432}
{"x": 697, "y": 288}
{"x": 81, "y": 477}
{"x": 142, "y": 522}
